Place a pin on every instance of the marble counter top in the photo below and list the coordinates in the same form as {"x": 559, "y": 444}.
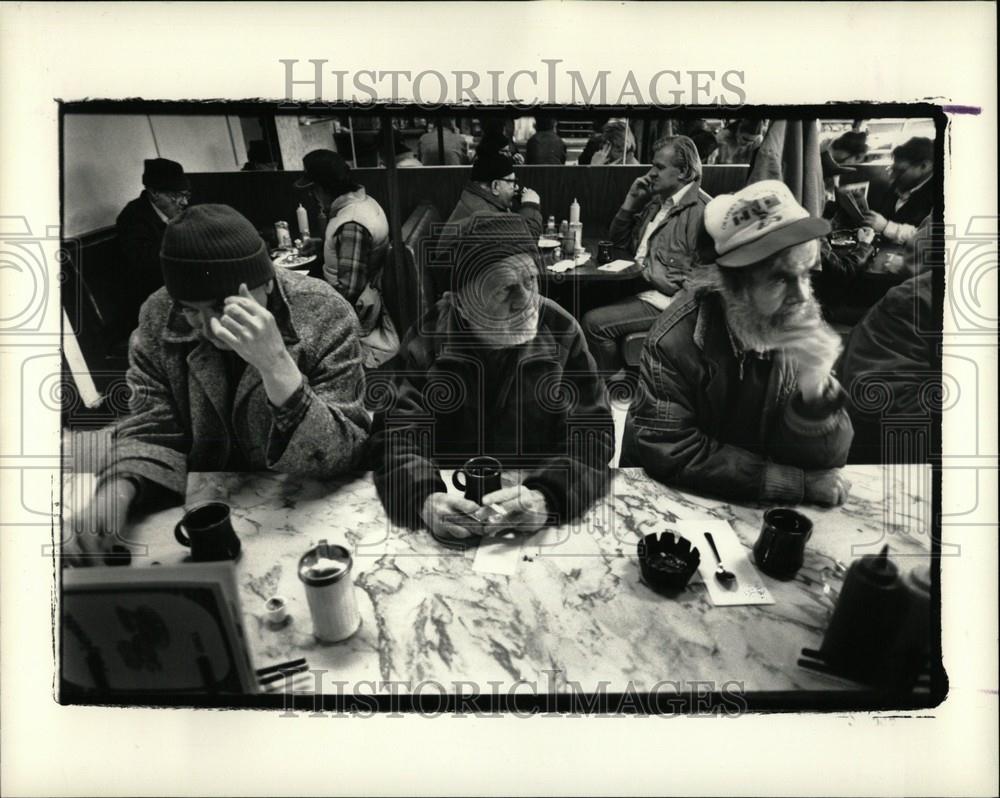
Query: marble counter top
{"x": 571, "y": 612}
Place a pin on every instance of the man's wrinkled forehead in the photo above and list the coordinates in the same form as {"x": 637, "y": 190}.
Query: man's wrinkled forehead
{"x": 507, "y": 271}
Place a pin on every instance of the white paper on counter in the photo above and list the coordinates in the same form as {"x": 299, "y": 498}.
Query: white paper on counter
{"x": 498, "y": 555}
{"x": 748, "y": 587}
{"x": 616, "y": 265}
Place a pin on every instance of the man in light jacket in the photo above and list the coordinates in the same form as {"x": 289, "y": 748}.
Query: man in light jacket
{"x": 661, "y": 222}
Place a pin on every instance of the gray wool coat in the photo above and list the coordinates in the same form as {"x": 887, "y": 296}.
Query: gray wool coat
{"x": 180, "y": 398}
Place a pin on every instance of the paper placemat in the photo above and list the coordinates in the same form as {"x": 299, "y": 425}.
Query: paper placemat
{"x": 498, "y": 555}
{"x": 616, "y": 265}
{"x": 748, "y": 587}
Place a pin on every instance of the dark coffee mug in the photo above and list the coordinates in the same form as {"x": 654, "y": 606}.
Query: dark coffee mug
{"x": 207, "y": 529}
{"x": 781, "y": 546}
{"x": 482, "y": 476}
{"x": 604, "y": 252}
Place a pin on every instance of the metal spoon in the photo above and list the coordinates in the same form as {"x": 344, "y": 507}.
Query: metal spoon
{"x": 721, "y": 573}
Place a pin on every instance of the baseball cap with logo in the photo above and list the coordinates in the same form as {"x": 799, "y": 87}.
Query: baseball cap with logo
{"x": 758, "y": 221}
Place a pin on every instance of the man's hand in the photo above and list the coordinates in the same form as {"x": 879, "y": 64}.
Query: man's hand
{"x": 866, "y": 235}
{"x": 97, "y": 528}
{"x": 814, "y": 349}
{"x": 251, "y": 331}
{"x": 449, "y": 516}
{"x": 517, "y": 158}
{"x": 876, "y": 221}
{"x": 828, "y": 487}
{"x": 527, "y": 509}
{"x": 530, "y": 195}
{"x": 638, "y": 193}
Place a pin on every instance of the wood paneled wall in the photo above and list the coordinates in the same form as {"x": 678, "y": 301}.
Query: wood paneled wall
{"x": 265, "y": 197}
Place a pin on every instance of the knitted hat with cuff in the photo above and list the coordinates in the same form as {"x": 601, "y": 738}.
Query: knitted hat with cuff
{"x": 208, "y": 250}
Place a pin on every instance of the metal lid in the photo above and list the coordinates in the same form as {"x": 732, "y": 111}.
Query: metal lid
{"x": 325, "y": 564}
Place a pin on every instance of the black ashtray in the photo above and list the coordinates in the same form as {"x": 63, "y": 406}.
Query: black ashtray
{"x": 667, "y": 561}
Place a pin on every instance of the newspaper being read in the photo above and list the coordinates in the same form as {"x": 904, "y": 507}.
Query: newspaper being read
{"x": 853, "y": 201}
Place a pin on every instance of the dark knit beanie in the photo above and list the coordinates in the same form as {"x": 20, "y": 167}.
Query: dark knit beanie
{"x": 487, "y": 238}
{"x": 491, "y": 165}
{"x": 208, "y": 250}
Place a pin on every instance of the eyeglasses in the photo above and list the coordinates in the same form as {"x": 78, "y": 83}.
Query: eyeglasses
{"x": 177, "y": 196}
{"x": 511, "y": 180}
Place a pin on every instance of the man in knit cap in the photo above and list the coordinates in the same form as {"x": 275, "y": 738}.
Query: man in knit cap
{"x": 234, "y": 367}
{"x": 736, "y": 393}
{"x": 493, "y": 370}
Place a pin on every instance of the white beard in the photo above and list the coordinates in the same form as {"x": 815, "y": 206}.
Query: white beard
{"x": 507, "y": 333}
{"x": 765, "y": 334}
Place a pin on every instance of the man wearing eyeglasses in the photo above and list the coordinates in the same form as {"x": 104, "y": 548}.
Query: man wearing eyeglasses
{"x": 493, "y": 188}
{"x": 140, "y": 227}
{"x": 912, "y": 197}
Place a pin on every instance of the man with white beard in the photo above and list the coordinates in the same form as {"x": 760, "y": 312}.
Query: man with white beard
{"x": 493, "y": 370}
{"x": 736, "y": 393}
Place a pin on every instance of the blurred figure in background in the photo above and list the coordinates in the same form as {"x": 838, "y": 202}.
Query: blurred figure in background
{"x": 739, "y": 142}
{"x": 618, "y": 145}
{"x": 850, "y": 148}
{"x": 456, "y": 151}
{"x": 497, "y": 137}
{"x": 546, "y": 146}
{"x": 259, "y": 158}
{"x": 594, "y": 142}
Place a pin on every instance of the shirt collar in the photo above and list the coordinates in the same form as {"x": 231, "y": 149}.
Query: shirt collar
{"x": 675, "y": 199}
{"x": 163, "y": 217}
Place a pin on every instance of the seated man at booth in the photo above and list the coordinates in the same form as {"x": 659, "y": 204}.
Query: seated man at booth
{"x": 234, "y": 367}
{"x": 736, "y": 393}
{"x": 494, "y": 369}
{"x": 492, "y": 188}
{"x": 355, "y": 246}
{"x": 912, "y": 197}
{"x": 661, "y": 222}
{"x": 140, "y": 225}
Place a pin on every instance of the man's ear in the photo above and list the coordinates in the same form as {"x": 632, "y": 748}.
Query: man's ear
{"x": 269, "y": 287}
